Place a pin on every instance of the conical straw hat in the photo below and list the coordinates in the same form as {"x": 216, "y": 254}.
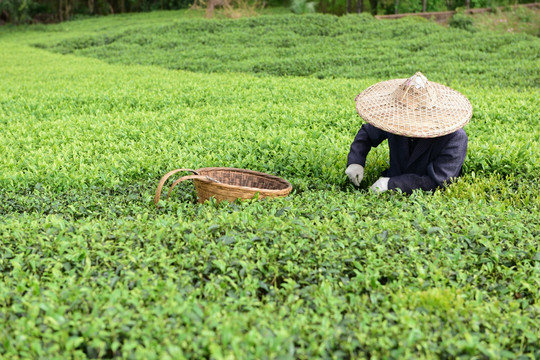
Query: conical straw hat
{"x": 414, "y": 107}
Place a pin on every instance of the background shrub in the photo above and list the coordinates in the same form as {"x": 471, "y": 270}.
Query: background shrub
{"x": 461, "y": 21}
{"x": 303, "y": 6}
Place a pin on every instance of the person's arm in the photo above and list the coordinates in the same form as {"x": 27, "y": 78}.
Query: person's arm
{"x": 367, "y": 137}
{"x": 440, "y": 171}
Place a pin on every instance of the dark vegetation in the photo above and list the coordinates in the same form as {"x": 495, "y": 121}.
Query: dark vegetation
{"x": 46, "y": 11}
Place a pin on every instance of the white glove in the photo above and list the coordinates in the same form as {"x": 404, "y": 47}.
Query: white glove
{"x": 381, "y": 185}
{"x": 355, "y": 172}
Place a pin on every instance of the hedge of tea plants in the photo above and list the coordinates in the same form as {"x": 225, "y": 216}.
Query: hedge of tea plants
{"x": 322, "y": 46}
{"x": 91, "y": 268}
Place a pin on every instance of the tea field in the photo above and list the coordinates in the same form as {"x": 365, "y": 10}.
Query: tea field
{"x": 93, "y": 112}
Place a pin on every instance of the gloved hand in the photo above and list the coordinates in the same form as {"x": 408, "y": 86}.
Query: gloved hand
{"x": 381, "y": 185}
{"x": 355, "y": 172}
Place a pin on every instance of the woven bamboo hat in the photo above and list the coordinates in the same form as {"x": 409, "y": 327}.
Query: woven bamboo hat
{"x": 414, "y": 107}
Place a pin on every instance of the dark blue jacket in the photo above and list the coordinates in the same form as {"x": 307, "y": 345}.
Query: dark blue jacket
{"x": 430, "y": 164}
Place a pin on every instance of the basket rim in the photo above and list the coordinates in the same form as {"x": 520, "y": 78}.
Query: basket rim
{"x": 288, "y": 187}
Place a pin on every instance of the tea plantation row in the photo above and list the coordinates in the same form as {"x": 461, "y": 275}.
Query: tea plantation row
{"x": 322, "y": 46}
{"x": 90, "y": 268}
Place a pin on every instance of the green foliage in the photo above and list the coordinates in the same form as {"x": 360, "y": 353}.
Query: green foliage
{"x": 321, "y": 46}
{"x": 524, "y": 15}
{"x": 90, "y": 268}
{"x": 26, "y": 11}
{"x": 462, "y": 21}
{"x": 518, "y": 19}
{"x": 409, "y": 6}
{"x": 437, "y": 5}
{"x": 21, "y": 11}
{"x": 303, "y": 6}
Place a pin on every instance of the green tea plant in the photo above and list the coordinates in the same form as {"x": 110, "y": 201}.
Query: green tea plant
{"x": 321, "y": 46}
{"x": 90, "y": 268}
{"x": 461, "y": 21}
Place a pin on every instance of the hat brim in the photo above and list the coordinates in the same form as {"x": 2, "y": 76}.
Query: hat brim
{"x": 378, "y": 106}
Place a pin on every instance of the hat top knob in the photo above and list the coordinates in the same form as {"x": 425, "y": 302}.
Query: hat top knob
{"x": 415, "y": 92}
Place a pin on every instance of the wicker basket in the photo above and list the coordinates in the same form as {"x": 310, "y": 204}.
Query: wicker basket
{"x": 229, "y": 184}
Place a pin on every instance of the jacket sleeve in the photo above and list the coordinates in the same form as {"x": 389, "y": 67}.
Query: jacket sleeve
{"x": 368, "y": 136}
{"x": 446, "y": 166}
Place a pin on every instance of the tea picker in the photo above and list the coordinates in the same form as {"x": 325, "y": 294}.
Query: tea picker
{"x": 422, "y": 121}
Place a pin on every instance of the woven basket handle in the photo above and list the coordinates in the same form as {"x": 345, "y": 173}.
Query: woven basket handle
{"x": 164, "y": 179}
{"x": 183, "y": 178}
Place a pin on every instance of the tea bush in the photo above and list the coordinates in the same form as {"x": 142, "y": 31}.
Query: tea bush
{"x": 90, "y": 268}
{"x": 461, "y": 21}
{"x": 321, "y": 46}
